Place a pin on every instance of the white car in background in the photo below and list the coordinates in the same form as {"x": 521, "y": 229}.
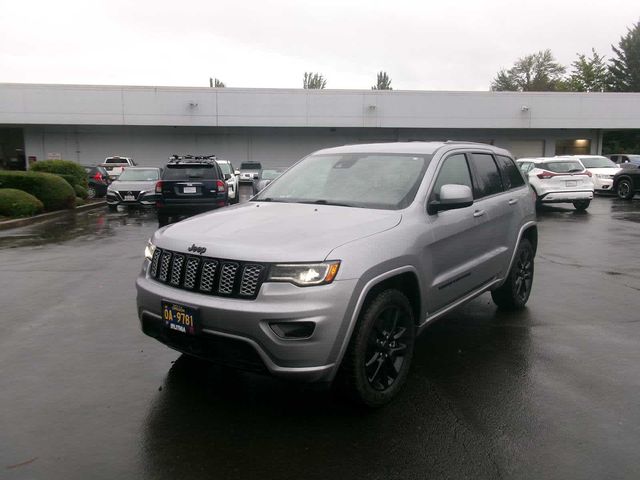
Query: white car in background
{"x": 233, "y": 180}
{"x": 602, "y": 169}
{"x": 115, "y": 165}
{"x": 559, "y": 180}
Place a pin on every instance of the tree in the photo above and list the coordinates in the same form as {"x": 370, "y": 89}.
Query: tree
{"x": 383, "y": 83}
{"x": 537, "y": 72}
{"x": 589, "y": 74}
{"x": 214, "y": 82}
{"x": 314, "y": 81}
{"x": 625, "y": 66}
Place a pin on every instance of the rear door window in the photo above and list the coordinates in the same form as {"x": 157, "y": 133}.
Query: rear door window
{"x": 487, "y": 179}
{"x": 454, "y": 170}
{"x": 510, "y": 174}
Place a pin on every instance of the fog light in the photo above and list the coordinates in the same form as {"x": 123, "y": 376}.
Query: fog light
{"x": 293, "y": 329}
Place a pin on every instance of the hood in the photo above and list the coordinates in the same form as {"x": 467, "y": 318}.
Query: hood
{"x": 604, "y": 171}
{"x": 275, "y": 232}
{"x": 121, "y": 185}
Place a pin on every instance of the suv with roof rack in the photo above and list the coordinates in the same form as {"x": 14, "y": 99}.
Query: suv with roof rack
{"x": 190, "y": 184}
{"x": 333, "y": 269}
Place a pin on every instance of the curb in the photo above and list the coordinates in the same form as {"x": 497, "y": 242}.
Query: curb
{"x": 45, "y": 217}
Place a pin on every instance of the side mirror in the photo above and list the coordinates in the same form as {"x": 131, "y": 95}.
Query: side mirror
{"x": 227, "y": 176}
{"x": 236, "y": 172}
{"x": 451, "y": 197}
{"x": 256, "y": 176}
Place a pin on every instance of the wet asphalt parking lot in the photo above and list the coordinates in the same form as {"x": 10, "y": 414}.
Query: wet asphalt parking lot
{"x": 550, "y": 392}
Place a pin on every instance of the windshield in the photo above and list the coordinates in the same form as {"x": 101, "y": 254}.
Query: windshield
{"x": 270, "y": 174}
{"x": 567, "y": 166}
{"x": 185, "y": 173}
{"x": 597, "y": 162}
{"x": 141, "y": 175}
{"x": 226, "y": 168}
{"x": 367, "y": 180}
{"x": 250, "y": 166}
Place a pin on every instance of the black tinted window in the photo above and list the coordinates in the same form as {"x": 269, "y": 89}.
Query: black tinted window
{"x": 487, "y": 176}
{"x": 205, "y": 172}
{"x": 510, "y": 173}
{"x": 250, "y": 166}
{"x": 454, "y": 171}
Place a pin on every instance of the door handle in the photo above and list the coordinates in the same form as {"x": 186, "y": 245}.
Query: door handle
{"x": 478, "y": 213}
{"x": 513, "y": 201}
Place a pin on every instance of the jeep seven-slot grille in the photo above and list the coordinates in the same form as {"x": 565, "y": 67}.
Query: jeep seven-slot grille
{"x": 213, "y": 276}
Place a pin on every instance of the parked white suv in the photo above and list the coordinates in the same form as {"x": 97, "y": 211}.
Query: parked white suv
{"x": 233, "y": 180}
{"x": 559, "y": 180}
{"x": 602, "y": 169}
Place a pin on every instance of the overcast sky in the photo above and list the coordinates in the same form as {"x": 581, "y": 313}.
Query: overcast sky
{"x": 445, "y": 45}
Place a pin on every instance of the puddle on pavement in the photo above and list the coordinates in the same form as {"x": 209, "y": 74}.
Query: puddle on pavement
{"x": 91, "y": 224}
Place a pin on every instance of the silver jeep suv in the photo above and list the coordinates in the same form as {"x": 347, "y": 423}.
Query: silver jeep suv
{"x": 332, "y": 270}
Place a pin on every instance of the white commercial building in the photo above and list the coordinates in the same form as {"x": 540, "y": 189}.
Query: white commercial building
{"x": 86, "y": 123}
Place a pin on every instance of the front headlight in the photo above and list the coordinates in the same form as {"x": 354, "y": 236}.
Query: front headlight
{"x": 304, "y": 274}
{"x": 149, "y": 250}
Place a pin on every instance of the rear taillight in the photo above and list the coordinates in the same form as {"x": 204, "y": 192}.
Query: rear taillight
{"x": 546, "y": 175}
{"x": 98, "y": 177}
{"x": 159, "y": 187}
{"x": 222, "y": 186}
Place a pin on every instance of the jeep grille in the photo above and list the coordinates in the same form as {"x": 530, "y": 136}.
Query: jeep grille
{"x": 213, "y": 276}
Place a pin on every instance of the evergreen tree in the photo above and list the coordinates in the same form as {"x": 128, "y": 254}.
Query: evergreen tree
{"x": 625, "y": 66}
{"x": 383, "y": 82}
{"x": 313, "y": 81}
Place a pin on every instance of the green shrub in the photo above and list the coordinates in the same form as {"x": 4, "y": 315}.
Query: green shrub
{"x": 80, "y": 191}
{"x": 71, "y": 180}
{"x": 80, "y": 201}
{"x": 63, "y": 167}
{"x": 16, "y": 203}
{"x": 54, "y": 192}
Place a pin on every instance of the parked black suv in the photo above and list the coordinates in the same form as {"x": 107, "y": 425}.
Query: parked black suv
{"x": 190, "y": 184}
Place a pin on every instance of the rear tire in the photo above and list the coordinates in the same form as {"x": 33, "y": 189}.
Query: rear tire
{"x": 514, "y": 292}
{"x": 377, "y": 361}
{"x": 581, "y": 204}
{"x": 91, "y": 192}
{"x": 625, "y": 189}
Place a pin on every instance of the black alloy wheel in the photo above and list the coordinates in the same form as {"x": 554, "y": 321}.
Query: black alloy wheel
{"x": 625, "y": 190}
{"x": 386, "y": 348}
{"x": 514, "y": 293}
{"x": 378, "y": 359}
{"x": 524, "y": 274}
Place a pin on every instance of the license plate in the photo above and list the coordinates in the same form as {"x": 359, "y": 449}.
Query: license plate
{"x": 179, "y": 318}
{"x": 572, "y": 183}
{"x": 129, "y": 198}
{"x": 189, "y": 190}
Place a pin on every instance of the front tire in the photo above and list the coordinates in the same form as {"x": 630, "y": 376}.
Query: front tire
{"x": 514, "y": 292}
{"x": 625, "y": 190}
{"x": 377, "y": 361}
{"x": 581, "y": 204}
{"x": 113, "y": 208}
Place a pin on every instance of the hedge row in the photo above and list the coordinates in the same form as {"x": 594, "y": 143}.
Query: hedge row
{"x": 69, "y": 170}
{"x": 16, "y": 203}
{"x": 54, "y": 192}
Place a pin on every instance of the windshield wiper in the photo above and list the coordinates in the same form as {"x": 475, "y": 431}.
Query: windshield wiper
{"x": 575, "y": 170}
{"x": 325, "y": 202}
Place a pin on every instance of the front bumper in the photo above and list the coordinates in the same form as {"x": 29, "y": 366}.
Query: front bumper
{"x": 248, "y": 322}
{"x": 564, "y": 196}
{"x": 145, "y": 198}
{"x": 602, "y": 184}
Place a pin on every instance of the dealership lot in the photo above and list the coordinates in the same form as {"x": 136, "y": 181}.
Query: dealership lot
{"x": 550, "y": 392}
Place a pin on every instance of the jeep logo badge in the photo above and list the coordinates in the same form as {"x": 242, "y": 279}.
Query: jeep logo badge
{"x": 196, "y": 249}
